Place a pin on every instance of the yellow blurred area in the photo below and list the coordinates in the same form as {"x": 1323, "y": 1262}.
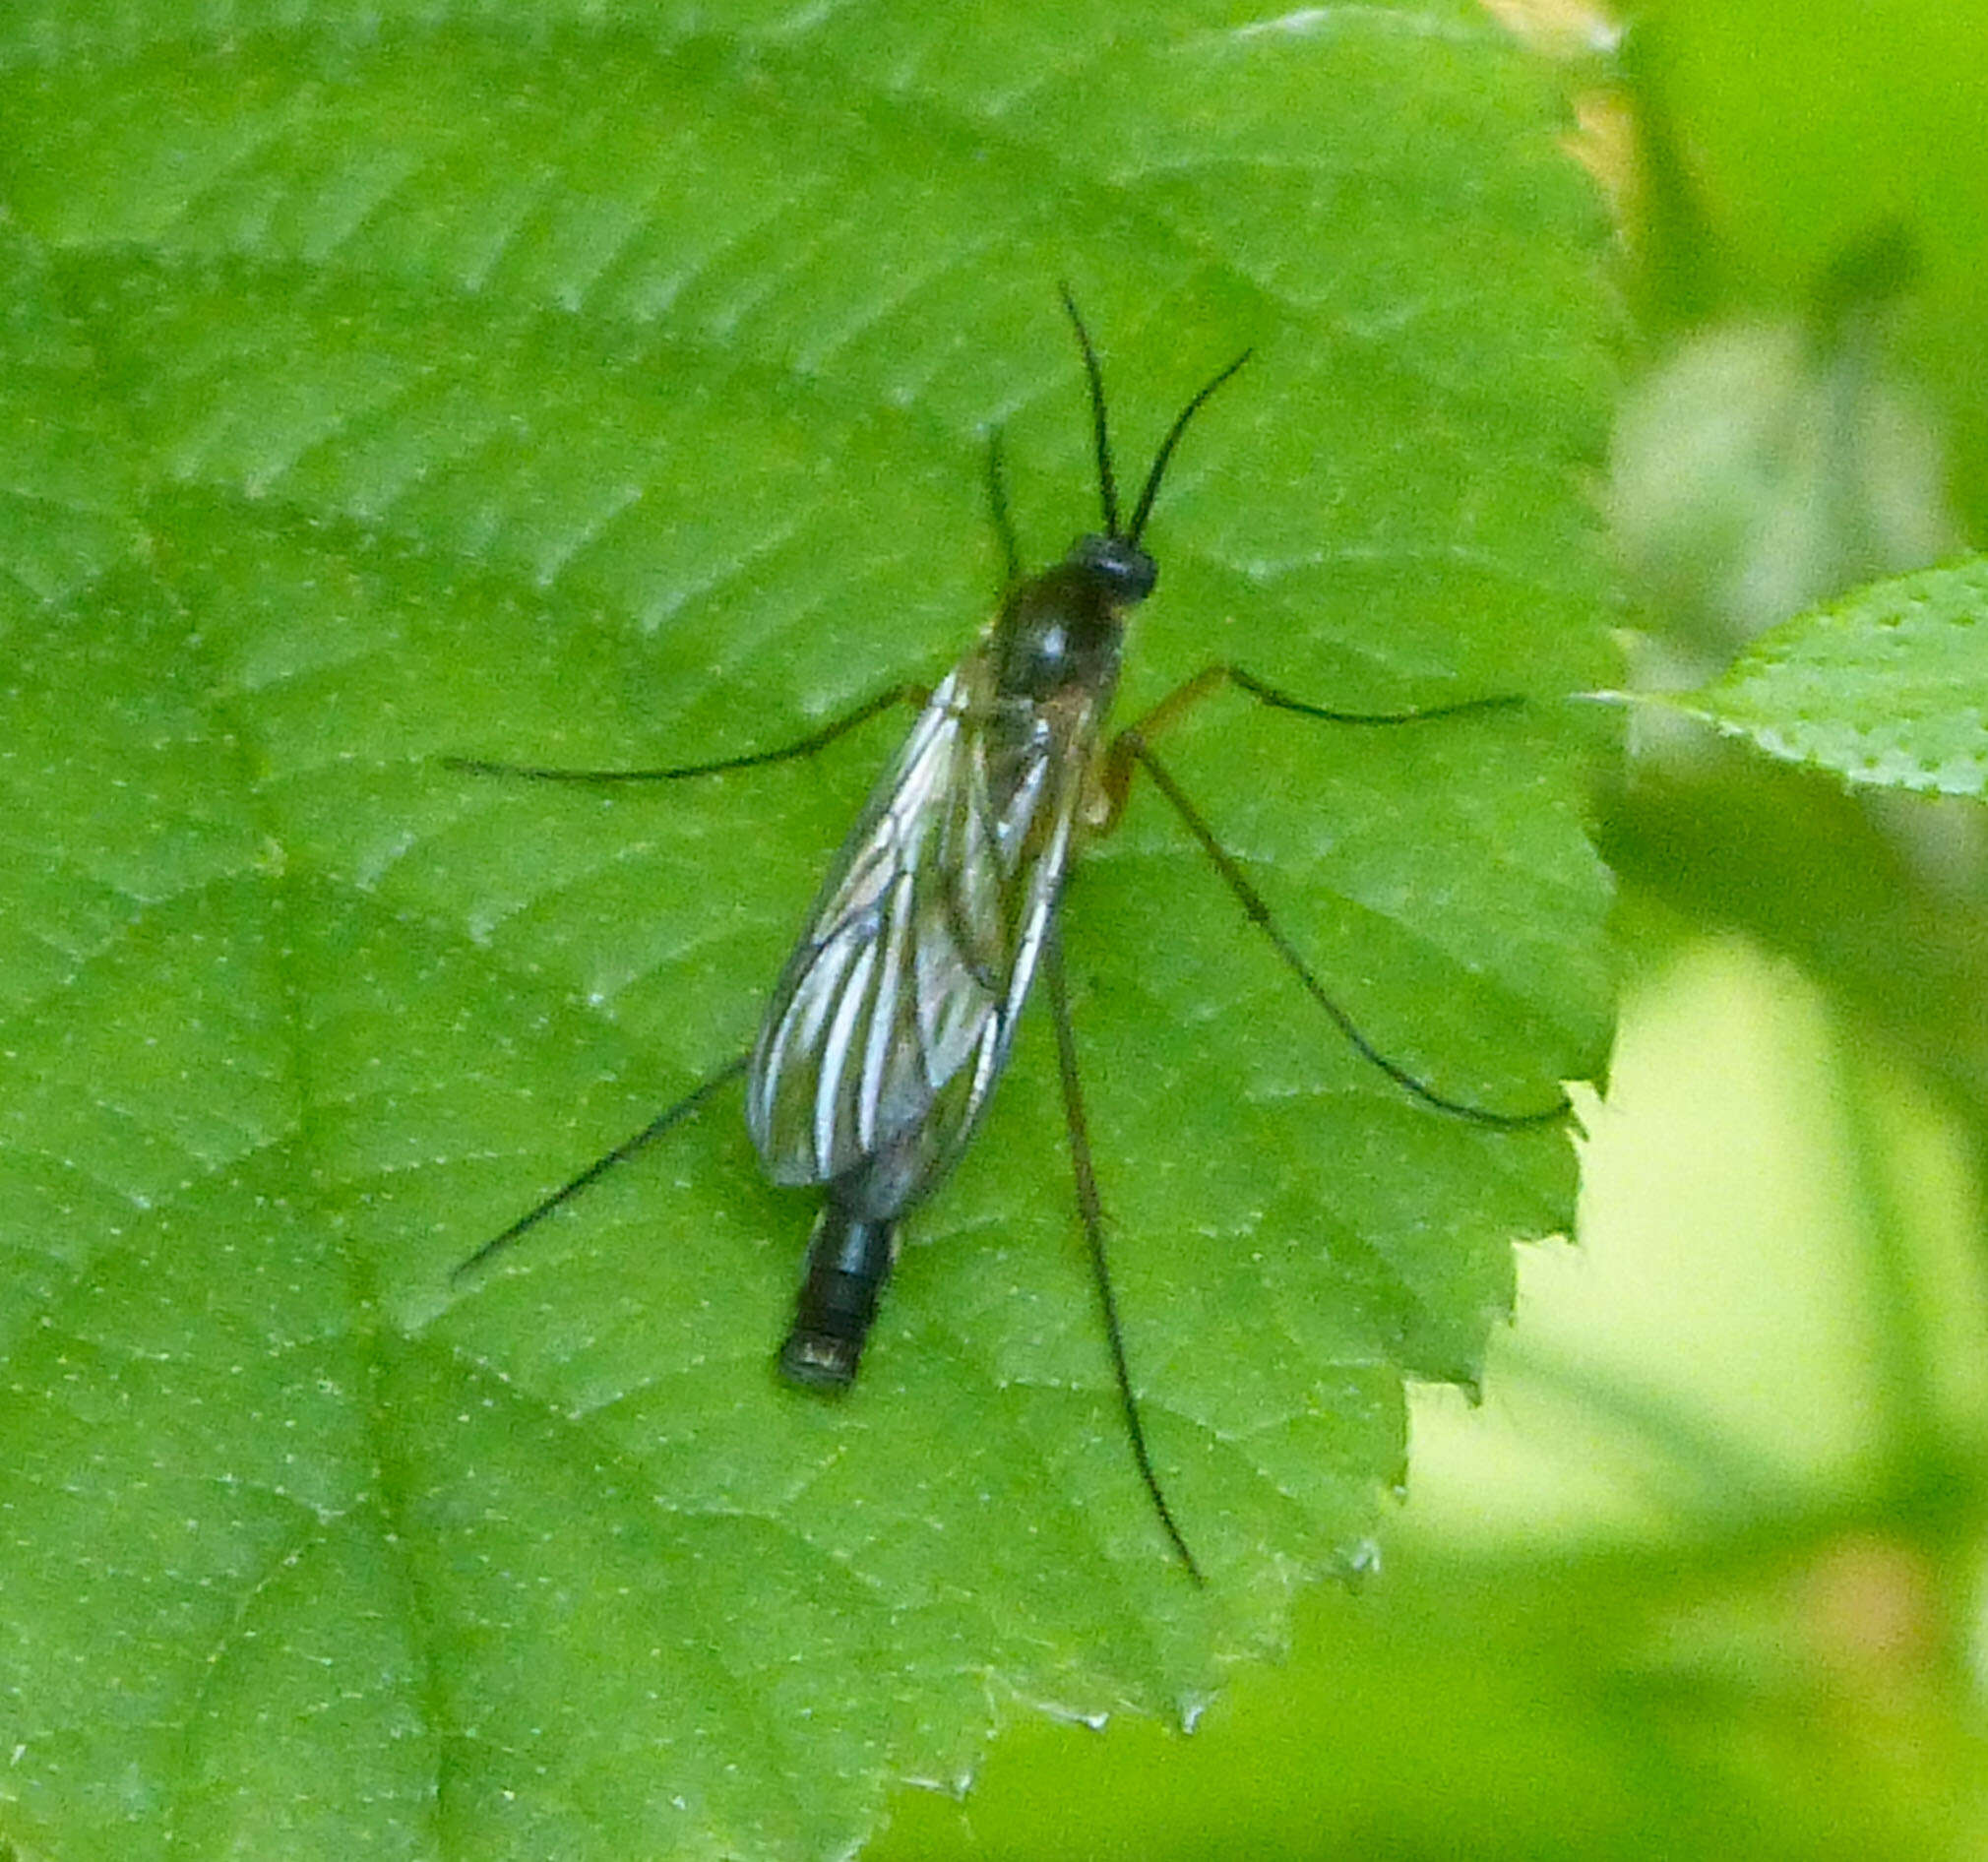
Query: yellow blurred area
{"x": 1761, "y": 1190}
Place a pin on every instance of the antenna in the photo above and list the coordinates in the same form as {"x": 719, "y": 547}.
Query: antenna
{"x": 1107, "y": 482}
{"x": 1108, "y": 479}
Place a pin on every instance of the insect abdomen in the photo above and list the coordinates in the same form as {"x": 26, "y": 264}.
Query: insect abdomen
{"x": 850, "y": 1257}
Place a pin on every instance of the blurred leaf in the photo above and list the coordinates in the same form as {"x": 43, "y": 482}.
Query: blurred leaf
{"x": 536, "y": 386}
{"x": 1577, "y": 1708}
{"x": 1757, "y": 473}
{"x": 1801, "y": 135}
{"x": 1883, "y": 687}
{"x": 1790, "y": 857}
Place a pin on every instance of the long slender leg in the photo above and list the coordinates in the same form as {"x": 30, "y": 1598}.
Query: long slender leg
{"x": 1252, "y": 902}
{"x": 1189, "y": 693}
{"x": 1282, "y": 701}
{"x": 664, "y": 1122}
{"x": 1092, "y": 1213}
{"x": 758, "y": 759}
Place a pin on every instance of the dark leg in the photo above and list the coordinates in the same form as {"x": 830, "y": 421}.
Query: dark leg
{"x": 1092, "y": 1213}
{"x": 850, "y": 1258}
{"x": 601, "y": 1166}
{"x": 1283, "y": 702}
{"x": 1134, "y": 749}
{"x": 1211, "y": 679}
{"x": 759, "y": 759}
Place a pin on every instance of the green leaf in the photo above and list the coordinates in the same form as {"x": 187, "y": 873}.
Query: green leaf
{"x": 385, "y": 385}
{"x": 1883, "y": 687}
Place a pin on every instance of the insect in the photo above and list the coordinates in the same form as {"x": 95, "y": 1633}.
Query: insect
{"x": 892, "y": 1022}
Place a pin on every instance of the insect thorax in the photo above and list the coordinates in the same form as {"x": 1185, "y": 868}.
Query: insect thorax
{"x": 1066, "y": 627}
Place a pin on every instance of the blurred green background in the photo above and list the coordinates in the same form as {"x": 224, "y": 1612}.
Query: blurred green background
{"x": 1705, "y": 1572}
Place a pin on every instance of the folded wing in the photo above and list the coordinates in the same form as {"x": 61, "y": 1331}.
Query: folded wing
{"x": 895, "y": 1012}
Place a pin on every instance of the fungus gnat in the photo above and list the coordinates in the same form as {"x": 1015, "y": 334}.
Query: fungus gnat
{"x": 894, "y": 1018}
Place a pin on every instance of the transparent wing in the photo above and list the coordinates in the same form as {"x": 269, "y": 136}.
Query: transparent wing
{"x": 894, "y": 1014}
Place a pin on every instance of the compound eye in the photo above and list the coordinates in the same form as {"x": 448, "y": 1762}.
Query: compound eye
{"x": 1137, "y": 574}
